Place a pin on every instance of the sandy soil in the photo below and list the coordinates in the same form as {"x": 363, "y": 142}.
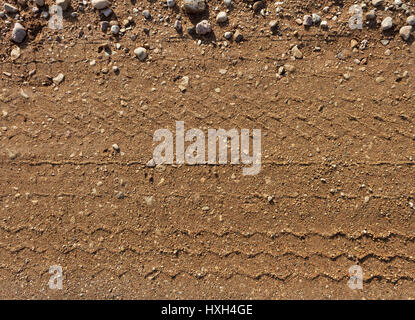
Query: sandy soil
{"x": 336, "y": 187}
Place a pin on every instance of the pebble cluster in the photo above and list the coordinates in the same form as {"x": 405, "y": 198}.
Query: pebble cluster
{"x": 389, "y": 17}
{"x": 204, "y": 27}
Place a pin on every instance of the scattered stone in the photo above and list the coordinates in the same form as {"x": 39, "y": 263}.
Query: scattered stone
{"x": 222, "y": 17}
{"x": 257, "y": 6}
{"x": 228, "y": 3}
{"x": 12, "y": 155}
{"x": 40, "y": 3}
{"x": 387, "y": 23}
{"x": 296, "y": 53}
{"x": 100, "y": 4}
{"x": 116, "y": 147}
{"x": 273, "y": 25}
{"x": 194, "y": 6}
{"x": 411, "y": 20}
{"x": 64, "y": 4}
{"x": 141, "y": 53}
{"x": 18, "y": 33}
{"x": 115, "y": 29}
{"x": 104, "y": 26}
{"x": 15, "y": 53}
{"x": 227, "y": 35}
{"x": 405, "y": 32}
{"x": 120, "y": 195}
{"x": 380, "y": 79}
{"x": 353, "y": 43}
{"x": 107, "y": 12}
{"x": 377, "y": 3}
{"x": 184, "y": 83}
{"x": 147, "y": 14}
{"x": 371, "y": 15}
{"x": 24, "y": 94}
{"x": 151, "y": 163}
{"x": 178, "y": 26}
{"x": 148, "y": 200}
{"x": 316, "y": 19}
{"x": 307, "y": 21}
{"x": 363, "y": 44}
{"x": 324, "y": 24}
{"x": 237, "y": 36}
{"x": 191, "y": 30}
{"x": 58, "y": 79}
{"x": 10, "y": 8}
{"x": 203, "y": 27}
{"x": 171, "y": 3}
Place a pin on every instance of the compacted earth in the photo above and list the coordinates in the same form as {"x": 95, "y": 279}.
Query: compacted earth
{"x": 331, "y": 89}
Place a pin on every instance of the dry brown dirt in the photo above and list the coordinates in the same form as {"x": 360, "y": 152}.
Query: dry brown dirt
{"x": 337, "y": 158}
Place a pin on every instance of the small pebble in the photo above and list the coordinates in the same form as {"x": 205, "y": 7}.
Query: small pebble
{"x": 296, "y": 53}
{"x": 377, "y": 3}
{"x": 371, "y": 15}
{"x": 221, "y": 17}
{"x": 146, "y": 14}
{"x": 273, "y": 25}
{"x": 120, "y": 195}
{"x": 59, "y": 79}
{"x": 203, "y": 27}
{"x": 100, "y": 4}
{"x": 104, "y": 25}
{"x": 316, "y": 18}
{"x": 237, "y": 36}
{"x": 307, "y": 21}
{"x": 387, "y": 23}
{"x": 64, "y": 4}
{"x": 227, "y": 35}
{"x": 107, "y": 12}
{"x": 405, "y": 32}
{"x": 141, "y": 53}
{"x": 18, "y": 33}
{"x": 115, "y": 29}
{"x": 178, "y": 26}
{"x": 411, "y": 20}
{"x": 10, "y": 8}
{"x": 194, "y": 6}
